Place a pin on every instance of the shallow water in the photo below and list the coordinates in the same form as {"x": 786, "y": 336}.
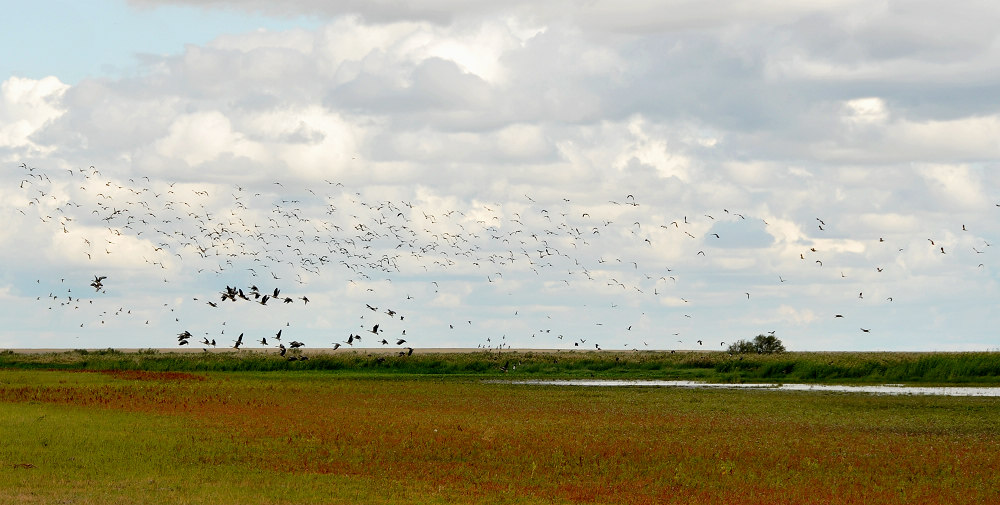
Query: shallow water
{"x": 884, "y": 389}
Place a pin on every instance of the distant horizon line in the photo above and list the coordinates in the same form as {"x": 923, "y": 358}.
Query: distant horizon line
{"x": 434, "y": 350}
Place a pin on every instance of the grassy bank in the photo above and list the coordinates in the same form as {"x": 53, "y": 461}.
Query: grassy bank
{"x": 913, "y": 368}
{"x": 308, "y": 437}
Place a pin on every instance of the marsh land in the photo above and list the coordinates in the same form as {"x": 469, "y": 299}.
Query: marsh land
{"x": 154, "y": 427}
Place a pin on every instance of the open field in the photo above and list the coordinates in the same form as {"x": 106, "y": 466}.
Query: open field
{"x": 129, "y": 436}
{"x": 969, "y": 368}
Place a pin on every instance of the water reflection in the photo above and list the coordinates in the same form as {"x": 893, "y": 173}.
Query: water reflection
{"x": 884, "y": 389}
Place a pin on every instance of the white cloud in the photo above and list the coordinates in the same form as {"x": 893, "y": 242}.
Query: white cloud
{"x": 654, "y": 152}
{"x": 28, "y": 105}
{"x": 959, "y": 185}
{"x": 965, "y": 138}
{"x": 865, "y": 111}
{"x": 203, "y": 136}
{"x": 524, "y": 141}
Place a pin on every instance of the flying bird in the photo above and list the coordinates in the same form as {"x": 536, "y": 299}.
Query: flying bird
{"x": 97, "y": 284}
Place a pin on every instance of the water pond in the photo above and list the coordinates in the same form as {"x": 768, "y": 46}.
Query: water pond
{"x": 883, "y": 389}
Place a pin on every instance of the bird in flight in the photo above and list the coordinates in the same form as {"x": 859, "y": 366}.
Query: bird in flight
{"x": 97, "y": 284}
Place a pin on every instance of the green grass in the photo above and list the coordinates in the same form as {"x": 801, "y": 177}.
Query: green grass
{"x": 982, "y": 368}
{"x": 317, "y": 437}
{"x": 60, "y": 454}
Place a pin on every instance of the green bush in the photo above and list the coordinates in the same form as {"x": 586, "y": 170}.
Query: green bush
{"x": 742, "y": 347}
{"x": 762, "y": 344}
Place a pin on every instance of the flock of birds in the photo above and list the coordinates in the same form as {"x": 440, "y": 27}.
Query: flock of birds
{"x": 382, "y": 248}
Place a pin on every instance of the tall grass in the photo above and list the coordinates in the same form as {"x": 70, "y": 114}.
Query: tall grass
{"x": 941, "y": 368}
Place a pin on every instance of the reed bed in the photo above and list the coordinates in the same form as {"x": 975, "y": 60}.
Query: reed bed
{"x": 980, "y": 368}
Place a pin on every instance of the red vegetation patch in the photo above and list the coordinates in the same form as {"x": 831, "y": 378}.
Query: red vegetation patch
{"x": 142, "y": 375}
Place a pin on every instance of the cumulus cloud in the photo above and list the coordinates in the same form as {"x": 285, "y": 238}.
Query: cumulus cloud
{"x": 28, "y": 105}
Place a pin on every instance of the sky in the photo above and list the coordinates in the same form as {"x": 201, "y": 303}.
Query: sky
{"x": 574, "y": 175}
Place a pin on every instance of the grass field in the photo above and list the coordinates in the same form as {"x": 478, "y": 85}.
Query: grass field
{"x": 133, "y": 436}
{"x": 982, "y": 368}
